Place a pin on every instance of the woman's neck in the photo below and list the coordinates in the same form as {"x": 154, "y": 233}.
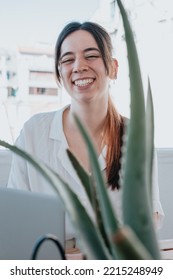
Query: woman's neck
{"x": 92, "y": 116}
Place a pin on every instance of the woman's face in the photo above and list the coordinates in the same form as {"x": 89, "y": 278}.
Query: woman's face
{"x": 82, "y": 68}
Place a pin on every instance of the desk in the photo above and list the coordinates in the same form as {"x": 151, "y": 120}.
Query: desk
{"x": 166, "y": 247}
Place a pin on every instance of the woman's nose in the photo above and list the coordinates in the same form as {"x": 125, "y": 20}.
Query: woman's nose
{"x": 80, "y": 66}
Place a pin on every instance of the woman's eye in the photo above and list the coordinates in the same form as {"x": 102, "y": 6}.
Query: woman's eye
{"x": 93, "y": 56}
{"x": 67, "y": 60}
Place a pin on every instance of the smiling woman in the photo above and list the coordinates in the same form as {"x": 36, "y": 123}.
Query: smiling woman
{"x": 84, "y": 66}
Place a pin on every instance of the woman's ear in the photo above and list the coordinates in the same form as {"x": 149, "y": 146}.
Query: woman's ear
{"x": 114, "y": 69}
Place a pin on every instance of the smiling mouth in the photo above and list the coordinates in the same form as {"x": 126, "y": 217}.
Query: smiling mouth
{"x": 83, "y": 82}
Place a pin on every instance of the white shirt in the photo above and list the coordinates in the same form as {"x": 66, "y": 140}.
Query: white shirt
{"x": 43, "y": 137}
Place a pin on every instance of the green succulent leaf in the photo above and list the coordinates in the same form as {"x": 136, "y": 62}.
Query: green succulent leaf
{"x": 94, "y": 248}
{"x": 83, "y": 175}
{"x": 89, "y": 186}
{"x": 149, "y": 140}
{"x": 129, "y": 246}
{"x": 136, "y": 204}
{"x": 111, "y": 224}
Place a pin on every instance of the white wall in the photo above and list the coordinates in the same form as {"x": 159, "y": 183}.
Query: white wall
{"x": 153, "y": 29}
{"x": 165, "y": 173}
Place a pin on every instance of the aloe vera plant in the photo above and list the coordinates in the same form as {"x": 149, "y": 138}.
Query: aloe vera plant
{"x": 138, "y": 217}
{"x": 135, "y": 238}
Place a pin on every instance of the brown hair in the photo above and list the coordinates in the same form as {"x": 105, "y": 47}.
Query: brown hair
{"x": 114, "y": 130}
{"x": 114, "y": 122}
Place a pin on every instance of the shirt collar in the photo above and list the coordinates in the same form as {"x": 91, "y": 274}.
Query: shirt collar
{"x": 56, "y": 133}
{"x": 102, "y": 158}
{"x": 56, "y": 128}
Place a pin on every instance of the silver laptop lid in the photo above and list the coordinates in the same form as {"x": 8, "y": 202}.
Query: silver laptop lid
{"x": 24, "y": 218}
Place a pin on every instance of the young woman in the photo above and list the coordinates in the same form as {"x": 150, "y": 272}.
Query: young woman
{"x": 84, "y": 66}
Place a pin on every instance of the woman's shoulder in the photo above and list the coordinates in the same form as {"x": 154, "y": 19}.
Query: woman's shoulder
{"x": 38, "y": 122}
{"x": 40, "y": 126}
{"x": 43, "y": 119}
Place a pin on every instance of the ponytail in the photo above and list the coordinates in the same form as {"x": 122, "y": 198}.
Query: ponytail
{"x": 114, "y": 129}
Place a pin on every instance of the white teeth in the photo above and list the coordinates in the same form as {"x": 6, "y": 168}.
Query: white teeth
{"x": 82, "y": 83}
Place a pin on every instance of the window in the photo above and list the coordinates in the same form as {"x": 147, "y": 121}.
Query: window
{"x": 42, "y": 91}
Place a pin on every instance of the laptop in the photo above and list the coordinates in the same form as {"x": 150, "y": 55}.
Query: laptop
{"x": 25, "y": 217}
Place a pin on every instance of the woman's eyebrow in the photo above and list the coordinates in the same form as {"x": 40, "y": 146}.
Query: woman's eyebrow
{"x": 66, "y": 53}
{"x": 91, "y": 49}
